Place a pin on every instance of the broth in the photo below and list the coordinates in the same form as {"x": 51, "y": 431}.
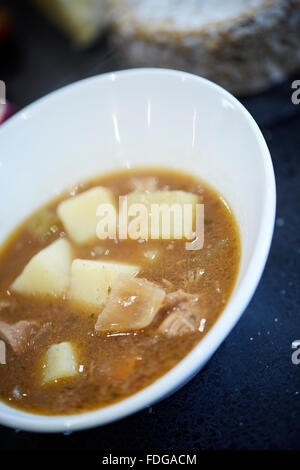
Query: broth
{"x": 111, "y": 365}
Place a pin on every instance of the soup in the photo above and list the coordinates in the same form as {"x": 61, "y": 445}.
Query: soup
{"x": 89, "y": 320}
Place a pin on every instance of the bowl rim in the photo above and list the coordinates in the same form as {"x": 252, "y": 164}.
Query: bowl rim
{"x": 201, "y": 353}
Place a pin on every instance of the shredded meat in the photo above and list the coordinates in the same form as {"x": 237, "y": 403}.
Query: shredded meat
{"x": 179, "y": 298}
{"x": 42, "y": 334}
{"x": 5, "y": 305}
{"x": 143, "y": 184}
{"x": 183, "y": 314}
{"x": 18, "y": 335}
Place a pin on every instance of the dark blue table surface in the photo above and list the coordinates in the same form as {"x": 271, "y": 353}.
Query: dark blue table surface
{"x": 248, "y": 395}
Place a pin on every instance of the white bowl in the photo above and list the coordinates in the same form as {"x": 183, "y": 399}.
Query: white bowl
{"x": 141, "y": 117}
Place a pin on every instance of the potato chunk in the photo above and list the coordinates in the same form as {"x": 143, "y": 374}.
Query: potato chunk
{"x": 92, "y": 280}
{"x": 60, "y": 362}
{"x": 181, "y": 218}
{"x": 132, "y": 305}
{"x": 78, "y": 213}
{"x": 48, "y": 272}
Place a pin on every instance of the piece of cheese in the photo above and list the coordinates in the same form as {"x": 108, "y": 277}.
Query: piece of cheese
{"x": 243, "y": 45}
{"x": 78, "y": 213}
{"x": 91, "y": 281}
{"x": 48, "y": 272}
{"x": 82, "y": 20}
{"x": 177, "y": 216}
{"x": 60, "y": 362}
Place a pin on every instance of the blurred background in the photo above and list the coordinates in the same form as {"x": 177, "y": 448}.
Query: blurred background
{"x": 247, "y": 46}
{"x": 248, "y": 394}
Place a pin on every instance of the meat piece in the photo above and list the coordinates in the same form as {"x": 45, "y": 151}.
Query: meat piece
{"x": 132, "y": 305}
{"x": 185, "y": 315}
{"x": 42, "y": 334}
{"x": 18, "y": 335}
{"x": 143, "y": 184}
{"x": 5, "y": 305}
{"x": 179, "y": 298}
